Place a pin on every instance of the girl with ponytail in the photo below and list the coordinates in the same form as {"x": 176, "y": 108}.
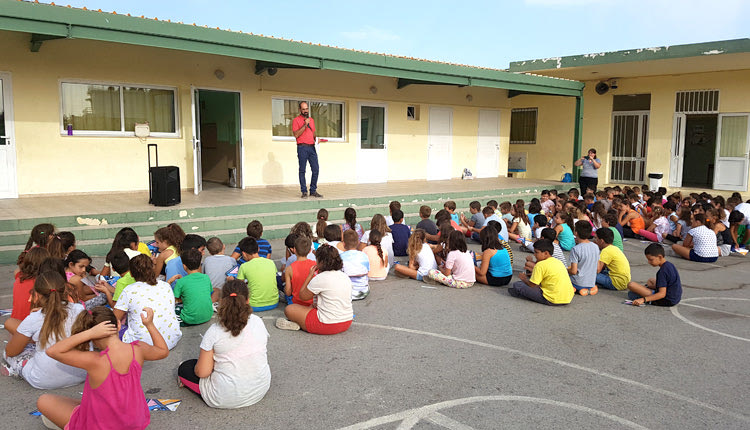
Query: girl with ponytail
{"x": 232, "y": 368}
{"x": 38, "y": 237}
{"x": 378, "y": 259}
{"x": 46, "y": 326}
{"x": 112, "y": 396}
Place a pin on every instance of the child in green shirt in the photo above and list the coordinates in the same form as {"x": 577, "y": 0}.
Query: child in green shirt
{"x": 260, "y": 274}
{"x": 194, "y": 290}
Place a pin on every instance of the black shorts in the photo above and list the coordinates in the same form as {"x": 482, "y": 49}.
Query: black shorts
{"x": 498, "y": 282}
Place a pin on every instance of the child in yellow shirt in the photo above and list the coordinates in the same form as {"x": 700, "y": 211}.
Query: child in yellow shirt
{"x": 549, "y": 283}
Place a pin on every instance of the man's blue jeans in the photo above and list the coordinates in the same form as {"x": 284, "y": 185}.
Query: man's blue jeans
{"x": 307, "y": 153}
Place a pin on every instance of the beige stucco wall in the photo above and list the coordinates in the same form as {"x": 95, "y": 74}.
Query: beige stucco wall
{"x": 49, "y": 162}
{"x": 734, "y": 88}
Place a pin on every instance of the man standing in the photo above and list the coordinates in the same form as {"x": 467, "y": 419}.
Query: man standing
{"x": 303, "y": 128}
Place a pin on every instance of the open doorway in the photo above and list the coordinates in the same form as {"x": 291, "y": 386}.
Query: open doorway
{"x": 218, "y": 126}
{"x": 700, "y": 151}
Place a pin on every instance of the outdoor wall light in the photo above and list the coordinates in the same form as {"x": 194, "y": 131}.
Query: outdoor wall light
{"x": 469, "y": 98}
{"x": 373, "y": 89}
{"x": 219, "y": 74}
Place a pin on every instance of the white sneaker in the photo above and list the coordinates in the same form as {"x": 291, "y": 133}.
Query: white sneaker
{"x": 285, "y": 324}
{"x": 49, "y": 424}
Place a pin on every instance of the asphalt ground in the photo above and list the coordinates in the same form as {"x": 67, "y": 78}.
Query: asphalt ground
{"x": 427, "y": 357}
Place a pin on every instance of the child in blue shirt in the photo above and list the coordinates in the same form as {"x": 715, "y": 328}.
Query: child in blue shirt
{"x": 665, "y": 289}
{"x": 356, "y": 265}
{"x": 254, "y": 230}
{"x": 401, "y": 233}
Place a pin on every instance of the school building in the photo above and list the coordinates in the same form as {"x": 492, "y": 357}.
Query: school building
{"x": 677, "y": 110}
{"x": 78, "y": 84}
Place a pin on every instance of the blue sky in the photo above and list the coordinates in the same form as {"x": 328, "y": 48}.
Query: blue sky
{"x": 480, "y": 33}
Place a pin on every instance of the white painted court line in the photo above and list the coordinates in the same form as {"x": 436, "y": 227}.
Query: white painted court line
{"x": 447, "y": 422}
{"x": 411, "y": 417}
{"x": 715, "y": 310}
{"x": 566, "y": 364}
{"x": 677, "y": 313}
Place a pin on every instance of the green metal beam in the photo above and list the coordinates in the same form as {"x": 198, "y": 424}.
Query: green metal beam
{"x": 402, "y": 83}
{"x": 577, "y": 136}
{"x": 52, "y": 20}
{"x": 38, "y": 39}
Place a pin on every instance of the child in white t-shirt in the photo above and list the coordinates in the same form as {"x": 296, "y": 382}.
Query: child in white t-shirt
{"x": 421, "y": 257}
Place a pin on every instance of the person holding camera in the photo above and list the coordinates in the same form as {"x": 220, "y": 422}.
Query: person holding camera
{"x": 589, "y": 177}
{"x": 303, "y": 128}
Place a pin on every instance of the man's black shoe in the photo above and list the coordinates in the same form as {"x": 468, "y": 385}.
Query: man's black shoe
{"x": 304, "y": 195}
{"x": 315, "y": 194}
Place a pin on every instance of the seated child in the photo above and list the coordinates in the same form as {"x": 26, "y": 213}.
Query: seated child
{"x": 551, "y": 235}
{"x": 23, "y": 285}
{"x": 497, "y": 260}
{"x": 260, "y": 274}
{"x": 377, "y": 256}
{"x": 613, "y": 270}
{"x": 121, "y": 264}
{"x": 194, "y": 290}
{"x": 216, "y": 265}
{"x": 75, "y": 271}
{"x": 489, "y": 216}
{"x": 401, "y": 233}
{"x": 659, "y": 228}
{"x": 493, "y": 205}
{"x": 610, "y": 221}
{"x": 333, "y": 290}
{"x": 167, "y": 241}
{"x": 421, "y": 257}
{"x": 450, "y": 206}
{"x": 392, "y": 206}
{"x": 26, "y": 351}
{"x": 520, "y": 229}
{"x": 564, "y": 230}
{"x": 149, "y": 292}
{"x": 700, "y": 244}
{"x": 584, "y": 259}
{"x": 321, "y": 224}
{"x": 333, "y": 236}
{"x": 505, "y": 213}
{"x": 549, "y": 283}
{"x": 232, "y": 368}
{"x": 386, "y": 237}
{"x": 548, "y": 205}
{"x": 426, "y": 223}
{"x": 458, "y": 271}
{"x": 476, "y": 220}
{"x": 175, "y": 267}
{"x": 255, "y": 230}
{"x": 296, "y": 272}
{"x": 540, "y": 223}
{"x": 350, "y": 216}
{"x": 356, "y": 265}
{"x": 114, "y": 368}
{"x": 665, "y": 289}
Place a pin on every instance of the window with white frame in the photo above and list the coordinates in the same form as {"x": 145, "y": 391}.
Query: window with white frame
{"x": 523, "y": 126}
{"x": 114, "y": 109}
{"x": 328, "y": 116}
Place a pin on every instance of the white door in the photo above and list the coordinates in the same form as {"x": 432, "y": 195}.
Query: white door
{"x": 197, "y": 168}
{"x": 8, "y": 185}
{"x": 629, "y": 142}
{"x": 678, "y": 149}
{"x": 732, "y": 148}
{"x": 488, "y": 144}
{"x": 372, "y": 152}
{"x": 440, "y": 143}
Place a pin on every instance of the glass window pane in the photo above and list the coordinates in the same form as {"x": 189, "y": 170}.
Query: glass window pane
{"x": 282, "y": 114}
{"x": 91, "y": 107}
{"x": 372, "y": 127}
{"x": 155, "y": 106}
{"x": 733, "y": 136}
{"x": 328, "y": 119}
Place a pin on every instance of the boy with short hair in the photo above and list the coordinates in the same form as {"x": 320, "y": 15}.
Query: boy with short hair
{"x": 357, "y": 264}
{"x": 392, "y": 206}
{"x": 194, "y": 290}
{"x": 574, "y": 194}
{"x": 489, "y": 215}
{"x": 255, "y": 230}
{"x": 476, "y": 220}
{"x": 216, "y": 265}
{"x": 493, "y": 205}
{"x": 426, "y": 223}
{"x": 665, "y": 289}
{"x": 297, "y": 272}
{"x": 505, "y": 214}
{"x": 260, "y": 274}
{"x": 613, "y": 269}
{"x": 610, "y": 221}
{"x": 450, "y": 206}
{"x": 583, "y": 261}
{"x": 400, "y": 233}
{"x": 549, "y": 283}
{"x": 121, "y": 264}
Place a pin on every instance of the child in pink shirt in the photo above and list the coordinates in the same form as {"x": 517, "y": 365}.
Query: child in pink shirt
{"x": 459, "y": 265}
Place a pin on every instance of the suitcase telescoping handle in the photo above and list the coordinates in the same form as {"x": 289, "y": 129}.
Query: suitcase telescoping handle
{"x": 156, "y": 154}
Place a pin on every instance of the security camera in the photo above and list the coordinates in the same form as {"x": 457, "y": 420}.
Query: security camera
{"x": 613, "y": 84}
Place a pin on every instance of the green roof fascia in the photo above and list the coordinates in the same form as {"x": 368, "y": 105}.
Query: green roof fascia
{"x": 38, "y": 18}
{"x": 644, "y": 54}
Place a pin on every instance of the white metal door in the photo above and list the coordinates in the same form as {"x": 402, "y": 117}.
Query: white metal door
{"x": 678, "y": 149}
{"x": 732, "y": 150}
{"x": 488, "y": 144}
{"x": 8, "y": 184}
{"x": 629, "y": 141}
{"x": 440, "y": 143}
{"x": 197, "y": 168}
{"x": 372, "y": 151}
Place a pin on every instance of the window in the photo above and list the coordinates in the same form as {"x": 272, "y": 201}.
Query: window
{"x": 523, "y": 126}
{"x": 697, "y": 101}
{"x": 111, "y": 109}
{"x": 328, "y": 116}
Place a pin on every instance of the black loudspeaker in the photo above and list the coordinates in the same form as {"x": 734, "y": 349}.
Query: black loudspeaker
{"x": 165, "y": 185}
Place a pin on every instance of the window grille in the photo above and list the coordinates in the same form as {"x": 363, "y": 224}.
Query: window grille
{"x": 697, "y": 101}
